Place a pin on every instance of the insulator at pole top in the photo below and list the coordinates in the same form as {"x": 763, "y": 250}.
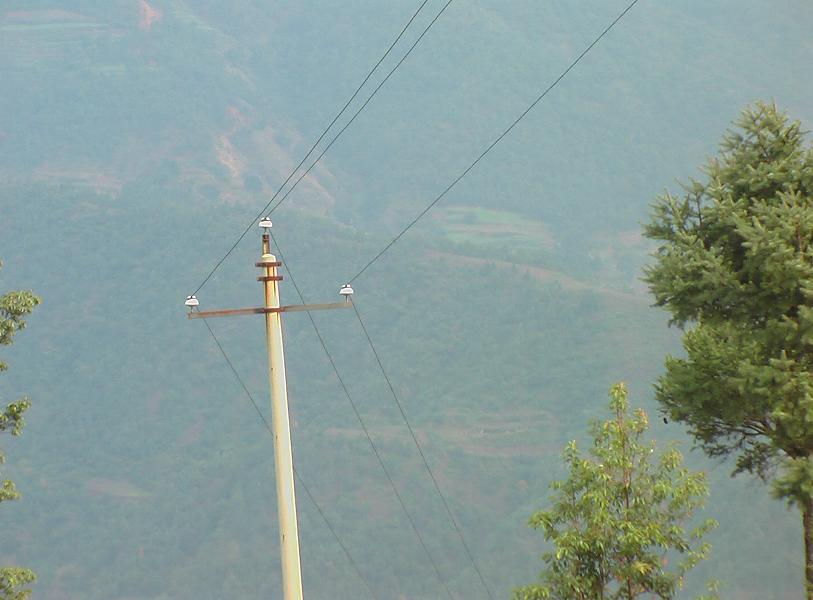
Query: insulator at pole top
{"x": 346, "y": 291}
{"x": 191, "y": 302}
{"x": 265, "y": 223}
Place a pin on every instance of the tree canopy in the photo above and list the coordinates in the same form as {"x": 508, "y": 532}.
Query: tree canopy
{"x": 735, "y": 270}
{"x": 617, "y": 522}
{"x": 14, "y": 307}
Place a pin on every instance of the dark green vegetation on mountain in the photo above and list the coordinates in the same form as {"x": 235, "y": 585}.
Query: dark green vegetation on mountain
{"x": 736, "y": 263}
{"x": 617, "y": 521}
{"x": 136, "y": 140}
{"x": 15, "y": 306}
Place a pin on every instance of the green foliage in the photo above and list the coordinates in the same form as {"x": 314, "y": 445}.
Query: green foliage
{"x": 736, "y": 261}
{"x": 14, "y": 306}
{"x": 12, "y": 579}
{"x": 618, "y": 520}
{"x": 11, "y": 420}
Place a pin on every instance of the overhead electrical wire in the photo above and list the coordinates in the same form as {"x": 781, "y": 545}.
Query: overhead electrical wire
{"x": 367, "y": 266}
{"x": 494, "y": 143}
{"x": 423, "y": 456}
{"x": 296, "y": 473}
{"x": 363, "y": 425}
{"x": 361, "y": 108}
{"x": 324, "y": 133}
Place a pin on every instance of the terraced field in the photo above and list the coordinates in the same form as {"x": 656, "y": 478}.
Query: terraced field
{"x": 490, "y": 228}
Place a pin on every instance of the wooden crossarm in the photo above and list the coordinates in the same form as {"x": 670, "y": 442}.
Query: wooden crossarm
{"x": 235, "y": 312}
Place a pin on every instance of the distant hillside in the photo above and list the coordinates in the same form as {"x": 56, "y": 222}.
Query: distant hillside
{"x": 137, "y": 137}
{"x": 226, "y": 100}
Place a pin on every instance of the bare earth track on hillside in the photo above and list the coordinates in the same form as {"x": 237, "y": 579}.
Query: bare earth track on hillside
{"x": 543, "y": 275}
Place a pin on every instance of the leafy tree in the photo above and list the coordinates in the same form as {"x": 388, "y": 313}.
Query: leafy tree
{"x": 617, "y": 520}
{"x": 14, "y": 307}
{"x": 736, "y": 264}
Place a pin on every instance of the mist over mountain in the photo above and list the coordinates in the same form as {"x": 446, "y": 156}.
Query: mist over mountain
{"x": 138, "y": 138}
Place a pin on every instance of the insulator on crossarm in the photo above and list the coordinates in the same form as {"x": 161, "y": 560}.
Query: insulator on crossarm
{"x": 346, "y": 291}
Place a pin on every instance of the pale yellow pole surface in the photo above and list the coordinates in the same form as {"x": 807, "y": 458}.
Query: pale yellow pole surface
{"x": 283, "y": 458}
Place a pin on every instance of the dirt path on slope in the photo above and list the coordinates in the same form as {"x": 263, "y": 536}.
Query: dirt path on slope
{"x": 544, "y": 275}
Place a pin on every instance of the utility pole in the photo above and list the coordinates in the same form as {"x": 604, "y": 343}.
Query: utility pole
{"x": 280, "y": 420}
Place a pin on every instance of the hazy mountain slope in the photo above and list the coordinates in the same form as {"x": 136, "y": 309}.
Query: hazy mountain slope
{"x": 145, "y": 471}
{"x": 200, "y": 91}
{"x": 147, "y": 474}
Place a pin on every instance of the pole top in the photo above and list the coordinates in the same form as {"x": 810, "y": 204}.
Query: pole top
{"x": 268, "y": 260}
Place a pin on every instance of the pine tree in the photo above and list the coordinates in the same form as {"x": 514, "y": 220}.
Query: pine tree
{"x": 617, "y": 521}
{"x": 735, "y": 270}
{"x": 14, "y": 307}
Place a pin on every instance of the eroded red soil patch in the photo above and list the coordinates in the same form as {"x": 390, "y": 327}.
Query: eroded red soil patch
{"x": 149, "y": 15}
{"x": 228, "y": 157}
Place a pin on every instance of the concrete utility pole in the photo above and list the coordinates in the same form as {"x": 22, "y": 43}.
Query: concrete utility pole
{"x": 283, "y": 457}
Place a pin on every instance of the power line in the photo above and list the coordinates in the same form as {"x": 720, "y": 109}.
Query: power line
{"x": 301, "y": 481}
{"x": 366, "y": 102}
{"x": 423, "y": 456}
{"x": 364, "y": 426}
{"x": 495, "y": 142}
{"x": 370, "y": 263}
{"x": 316, "y": 143}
